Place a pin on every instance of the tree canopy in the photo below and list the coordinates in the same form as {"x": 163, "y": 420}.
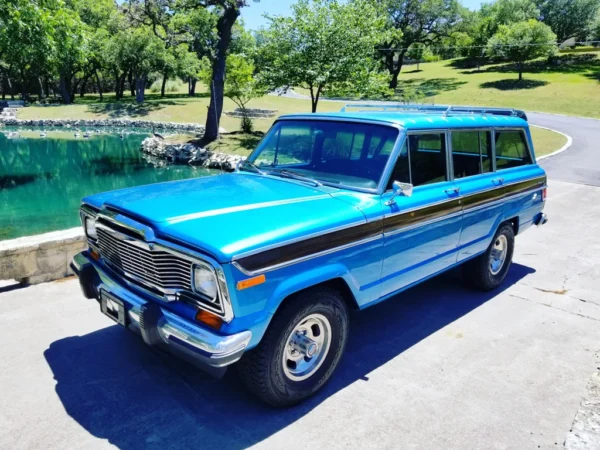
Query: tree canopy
{"x": 521, "y": 42}
{"x": 322, "y": 46}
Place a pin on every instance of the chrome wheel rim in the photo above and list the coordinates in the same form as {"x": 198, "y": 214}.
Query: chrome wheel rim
{"x": 498, "y": 254}
{"x": 306, "y": 347}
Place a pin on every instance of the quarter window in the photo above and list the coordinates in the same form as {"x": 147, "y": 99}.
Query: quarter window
{"x": 471, "y": 153}
{"x": 511, "y": 149}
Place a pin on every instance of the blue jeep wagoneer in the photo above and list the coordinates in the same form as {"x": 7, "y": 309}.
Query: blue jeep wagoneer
{"x": 331, "y": 212}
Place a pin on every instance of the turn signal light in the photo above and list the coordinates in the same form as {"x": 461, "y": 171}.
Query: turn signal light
{"x": 544, "y": 194}
{"x": 94, "y": 254}
{"x": 209, "y": 319}
{"x": 245, "y": 284}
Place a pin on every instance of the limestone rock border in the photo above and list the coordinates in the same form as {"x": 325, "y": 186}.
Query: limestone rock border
{"x": 120, "y": 123}
{"x": 40, "y": 258}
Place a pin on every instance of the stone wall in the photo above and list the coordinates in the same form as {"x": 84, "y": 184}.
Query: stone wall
{"x": 45, "y": 257}
{"x": 189, "y": 154}
{"x": 121, "y": 123}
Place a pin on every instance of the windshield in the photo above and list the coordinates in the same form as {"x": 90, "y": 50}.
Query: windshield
{"x": 349, "y": 154}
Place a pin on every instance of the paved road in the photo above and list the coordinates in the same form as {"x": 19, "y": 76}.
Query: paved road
{"x": 440, "y": 366}
{"x": 581, "y": 163}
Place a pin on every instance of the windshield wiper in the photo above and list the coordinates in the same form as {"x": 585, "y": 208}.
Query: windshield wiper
{"x": 252, "y": 165}
{"x": 289, "y": 174}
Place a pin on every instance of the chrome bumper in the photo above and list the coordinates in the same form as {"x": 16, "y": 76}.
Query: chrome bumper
{"x": 541, "y": 219}
{"x": 160, "y": 327}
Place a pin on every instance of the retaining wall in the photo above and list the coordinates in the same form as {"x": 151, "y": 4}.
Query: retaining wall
{"x": 45, "y": 257}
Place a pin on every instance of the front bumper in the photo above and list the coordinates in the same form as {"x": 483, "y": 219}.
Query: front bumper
{"x": 160, "y": 327}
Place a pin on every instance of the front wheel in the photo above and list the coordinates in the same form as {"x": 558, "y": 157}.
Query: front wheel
{"x": 300, "y": 350}
{"x": 488, "y": 270}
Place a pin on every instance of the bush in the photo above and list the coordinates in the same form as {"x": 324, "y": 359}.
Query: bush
{"x": 247, "y": 126}
{"x": 171, "y": 86}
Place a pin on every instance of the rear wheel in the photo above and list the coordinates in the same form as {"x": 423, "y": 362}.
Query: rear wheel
{"x": 488, "y": 270}
{"x": 300, "y": 350}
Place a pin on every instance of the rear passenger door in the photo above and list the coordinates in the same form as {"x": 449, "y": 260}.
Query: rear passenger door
{"x": 481, "y": 190}
{"x": 422, "y": 231}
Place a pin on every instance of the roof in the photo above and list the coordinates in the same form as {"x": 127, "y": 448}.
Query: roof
{"x": 419, "y": 120}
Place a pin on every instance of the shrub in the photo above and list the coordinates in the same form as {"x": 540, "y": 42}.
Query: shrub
{"x": 171, "y": 86}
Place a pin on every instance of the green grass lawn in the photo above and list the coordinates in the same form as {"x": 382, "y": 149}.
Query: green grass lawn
{"x": 545, "y": 141}
{"x": 570, "y": 85}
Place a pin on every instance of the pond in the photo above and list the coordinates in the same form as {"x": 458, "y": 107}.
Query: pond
{"x": 42, "y": 179}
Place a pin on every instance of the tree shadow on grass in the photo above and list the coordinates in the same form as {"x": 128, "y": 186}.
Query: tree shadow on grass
{"x": 116, "y": 110}
{"x": 430, "y": 87}
{"x": 513, "y": 85}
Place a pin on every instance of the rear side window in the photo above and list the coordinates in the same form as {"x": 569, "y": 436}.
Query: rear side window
{"x": 471, "y": 153}
{"x": 511, "y": 149}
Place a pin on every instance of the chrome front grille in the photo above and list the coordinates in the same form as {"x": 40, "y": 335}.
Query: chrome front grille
{"x": 160, "y": 269}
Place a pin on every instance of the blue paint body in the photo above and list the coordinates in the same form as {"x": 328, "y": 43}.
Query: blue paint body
{"x": 234, "y": 214}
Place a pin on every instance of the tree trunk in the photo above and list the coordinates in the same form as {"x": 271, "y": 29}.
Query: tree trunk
{"x": 314, "y": 98}
{"x": 395, "y": 71}
{"x": 192, "y": 87}
{"x": 131, "y": 83}
{"x": 42, "y": 95}
{"x": 224, "y": 26}
{"x": 122, "y": 84}
{"x": 140, "y": 88}
{"x": 65, "y": 88}
{"x": 98, "y": 84}
{"x": 520, "y": 69}
{"x": 83, "y": 86}
{"x": 164, "y": 83}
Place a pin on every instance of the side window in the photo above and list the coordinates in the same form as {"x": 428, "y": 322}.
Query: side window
{"x": 427, "y": 158}
{"x": 511, "y": 149}
{"x": 401, "y": 171}
{"x": 471, "y": 153}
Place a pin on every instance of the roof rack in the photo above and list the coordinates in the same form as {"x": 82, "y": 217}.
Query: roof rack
{"x": 435, "y": 109}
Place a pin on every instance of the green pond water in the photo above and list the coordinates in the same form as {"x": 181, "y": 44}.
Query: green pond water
{"x": 42, "y": 180}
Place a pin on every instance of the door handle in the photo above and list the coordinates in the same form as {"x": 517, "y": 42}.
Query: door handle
{"x": 452, "y": 190}
{"x": 498, "y": 180}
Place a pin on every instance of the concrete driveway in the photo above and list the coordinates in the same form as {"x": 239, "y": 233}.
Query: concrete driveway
{"x": 438, "y": 367}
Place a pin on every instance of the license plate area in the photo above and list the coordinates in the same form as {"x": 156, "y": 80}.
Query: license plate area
{"x": 113, "y": 308}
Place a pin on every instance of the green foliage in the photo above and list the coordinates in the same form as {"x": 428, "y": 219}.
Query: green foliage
{"x": 569, "y": 18}
{"x": 415, "y": 21}
{"x": 522, "y": 42}
{"x": 507, "y": 12}
{"x": 325, "y": 45}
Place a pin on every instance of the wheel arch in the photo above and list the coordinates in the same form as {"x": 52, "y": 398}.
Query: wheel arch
{"x": 334, "y": 277}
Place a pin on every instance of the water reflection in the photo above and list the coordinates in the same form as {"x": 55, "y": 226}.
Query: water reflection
{"x": 42, "y": 179}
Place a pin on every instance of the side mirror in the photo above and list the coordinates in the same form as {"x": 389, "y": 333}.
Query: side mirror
{"x": 405, "y": 189}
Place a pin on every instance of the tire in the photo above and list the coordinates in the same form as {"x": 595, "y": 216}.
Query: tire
{"x": 485, "y": 274}
{"x": 323, "y": 315}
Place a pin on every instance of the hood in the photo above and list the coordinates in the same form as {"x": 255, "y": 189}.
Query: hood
{"x": 230, "y": 214}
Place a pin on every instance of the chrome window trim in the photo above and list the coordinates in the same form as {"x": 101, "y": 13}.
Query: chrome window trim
{"x": 386, "y": 169}
{"x": 226, "y": 310}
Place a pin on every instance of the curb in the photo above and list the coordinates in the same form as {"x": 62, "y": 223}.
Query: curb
{"x": 560, "y": 150}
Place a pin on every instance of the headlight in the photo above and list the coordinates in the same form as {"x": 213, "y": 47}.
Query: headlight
{"x": 205, "y": 282}
{"x": 90, "y": 228}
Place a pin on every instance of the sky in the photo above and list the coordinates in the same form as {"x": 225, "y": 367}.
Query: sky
{"x": 253, "y": 14}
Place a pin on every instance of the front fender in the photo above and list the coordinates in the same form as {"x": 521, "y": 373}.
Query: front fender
{"x": 296, "y": 282}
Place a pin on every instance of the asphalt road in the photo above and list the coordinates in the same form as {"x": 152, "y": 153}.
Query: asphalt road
{"x": 440, "y": 366}
{"x": 581, "y": 163}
